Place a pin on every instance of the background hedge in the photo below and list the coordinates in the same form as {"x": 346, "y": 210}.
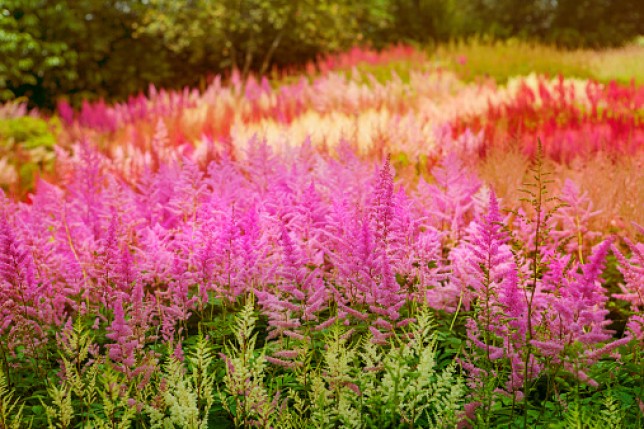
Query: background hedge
{"x": 85, "y": 49}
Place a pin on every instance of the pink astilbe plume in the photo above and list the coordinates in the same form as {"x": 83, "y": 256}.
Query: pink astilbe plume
{"x": 427, "y": 267}
{"x": 487, "y": 275}
{"x": 155, "y": 192}
{"x": 131, "y": 329}
{"x": 572, "y": 220}
{"x": 384, "y": 298}
{"x": 113, "y": 269}
{"x": 388, "y": 233}
{"x": 483, "y": 259}
{"x": 449, "y": 202}
{"x": 347, "y": 248}
{"x": 572, "y": 326}
{"x": 231, "y": 258}
{"x": 300, "y": 295}
{"x": 85, "y": 182}
{"x": 633, "y": 287}
{"x": 21, "y": 319}
{"x": 189, "y": 192}
{"x": 365, "y": 246}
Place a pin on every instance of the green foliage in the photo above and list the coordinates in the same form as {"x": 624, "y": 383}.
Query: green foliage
{"x": 354, "y": 384}
{"x": 10, "y": 409}
{"x": 503, "y": 60}
{"x": 90, "y": 392}
{"x": 566, "y": 23}
{"x": 27, "y": 51}
{"x": 422, "y": 21}
{"x": 85, "y": 49}
{"x": 244, "y": 395}
{"x": 28, "y": 132}
{"x": 257, "y": 34}
{"x": 26, "y": 148}
{"x": 80, "y": 48}
{"x": 413, "y": 381}
{"x": 186, "y": 396}
{"x": 607, "y": 416}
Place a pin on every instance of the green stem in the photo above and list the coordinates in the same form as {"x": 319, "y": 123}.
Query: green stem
{"x": 458, "y": 308}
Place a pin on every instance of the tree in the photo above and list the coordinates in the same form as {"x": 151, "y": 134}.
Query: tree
{"x": 80, "y": 48}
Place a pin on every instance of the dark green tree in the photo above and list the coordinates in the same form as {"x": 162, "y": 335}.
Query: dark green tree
{"x": 80, "y": 48}
{"x": 86, "y": 49}
{"x": 566, "y": 23}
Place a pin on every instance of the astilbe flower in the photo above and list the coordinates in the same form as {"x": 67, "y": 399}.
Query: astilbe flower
{"x": 177, "y": 302}
{"x": 484, "y": 257}
{"x": 189, "y": 192}
{"x": 428, "y": 271}
{"x": 449, "y": 202}
{"x": 49, "y": 243}
{"x": 379, "y": 254}
{"x": 164, "y": 270}
{"x": 570, "y": 123}
{"x": 160, "y": 146}
{"x": 155, "y": 192}
{"x": 130, "y": 330}
{"x": 85, "y": 185}
{"x": 299, "y": 294}
{"x": 346, "y": 254}
{"x": 261, "y": 163}
{"x": 348, "y": 176}
{"x": 74, "y": 228}
{"x": 633, "y": 287}
{"x": 415, "y": 249}
{"x": 486, "y": 272}
{"x": 114, "y": 270}
{"x": 384, "y": 239}
{"x": 232, "y": 255}
{"x": 571, "y": 221}
{"x": 572, "y": 327}
{"x": 20, "y": 292}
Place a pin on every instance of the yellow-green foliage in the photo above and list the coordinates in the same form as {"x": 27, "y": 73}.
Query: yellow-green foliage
{"x": 203, "y": 376}
{"x": 116, "y": 412}
{"x": 26, "y": 147}
{"x": 503, "y": 60}
{"x": 410, "y": 379}
{"x": 186, "y": 396}
{"x": 333, "y": 402}
{"x": 27, "y": 131}
{"x": 369, "y": 385}
{"x": 10, "y": 409}
{"x": 609, "y": 416}
{"x": 245, "y": 396}
{"x": 86, "y": 380}
{"x": 357, "y": 385}
{"x": 622, "y": 65}
{"x": 91, "y": 393}
{"x": 180, "y": 408}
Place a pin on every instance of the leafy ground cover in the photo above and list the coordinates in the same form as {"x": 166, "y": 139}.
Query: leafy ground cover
{"x": 504, "y": 60}
{"x": 338, "y": 249}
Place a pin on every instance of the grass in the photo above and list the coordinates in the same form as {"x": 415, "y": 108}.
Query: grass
{"x": 503, "y": 60}
{"x": 476, "y": 60}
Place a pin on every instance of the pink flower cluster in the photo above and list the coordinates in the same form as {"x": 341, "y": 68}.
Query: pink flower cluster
{"x": 572, "y": 118}
{"x": 306, "y": 233}
{"x": 168, "y": 203}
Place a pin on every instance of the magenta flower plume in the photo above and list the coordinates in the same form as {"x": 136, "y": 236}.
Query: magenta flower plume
{"x": 449, "y": 202}
{"x": 633, "y": 287}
